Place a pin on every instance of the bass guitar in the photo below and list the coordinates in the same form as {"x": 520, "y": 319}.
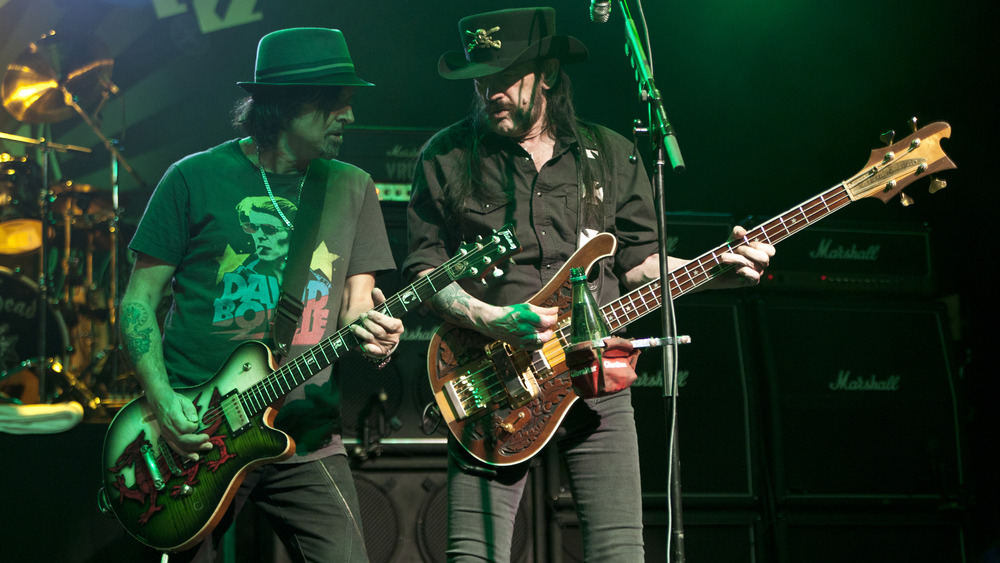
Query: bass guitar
{"x": 170, "y": 504}
{"x": 504, "y": 404}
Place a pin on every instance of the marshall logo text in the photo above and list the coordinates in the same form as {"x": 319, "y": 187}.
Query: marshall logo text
{"x": 827, "y": 251}
{"x": 844, "y": 382}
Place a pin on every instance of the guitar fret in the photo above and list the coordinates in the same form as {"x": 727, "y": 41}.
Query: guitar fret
{"x": 254, "y": 402}
{"x": 825, "y": 206}
{"x": 266, "y": 391}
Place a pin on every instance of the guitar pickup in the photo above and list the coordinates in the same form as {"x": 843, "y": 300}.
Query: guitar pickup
{"x": 518, "y": 382}
{"x": 236, "y": 415}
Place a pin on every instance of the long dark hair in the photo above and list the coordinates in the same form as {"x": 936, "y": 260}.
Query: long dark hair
{"x": 562, "y": 121}
{"x": 268, "y": 111}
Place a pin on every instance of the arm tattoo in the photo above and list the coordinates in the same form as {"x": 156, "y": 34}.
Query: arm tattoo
{"x": 136, "y": 330}
{"x": 453, "y": 303}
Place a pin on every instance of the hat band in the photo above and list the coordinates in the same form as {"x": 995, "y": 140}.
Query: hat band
{"x": 311, "y": 71}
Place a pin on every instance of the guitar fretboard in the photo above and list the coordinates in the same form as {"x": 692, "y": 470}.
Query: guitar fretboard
{"x": 646, "y": 299}
{"x": 296, "y": 371}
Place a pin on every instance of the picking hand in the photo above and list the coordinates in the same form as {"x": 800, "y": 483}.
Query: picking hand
{"x": 178, "y": 421}
{"x": 522, "y": 325}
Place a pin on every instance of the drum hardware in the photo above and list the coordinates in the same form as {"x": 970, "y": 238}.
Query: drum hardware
{"x": 51, "y": 81}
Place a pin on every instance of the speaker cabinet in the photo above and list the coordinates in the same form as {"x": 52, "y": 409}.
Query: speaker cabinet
{"x": 863, "y": 403}
{"x": 870, "y": 537}
{"x": 404, "y": 510}
{"x": 389, "y": 404}
{"x": 714, "y": 417}
{"x": 716, "y": 536}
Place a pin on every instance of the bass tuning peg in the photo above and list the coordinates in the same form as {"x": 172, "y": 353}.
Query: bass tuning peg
{"x": 937, "y": 184}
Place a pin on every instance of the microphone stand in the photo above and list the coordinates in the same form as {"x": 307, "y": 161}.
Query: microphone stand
{"x": 665, "y": 146}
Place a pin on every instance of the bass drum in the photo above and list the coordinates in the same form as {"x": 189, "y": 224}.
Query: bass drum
{"x": 19, "y": 347}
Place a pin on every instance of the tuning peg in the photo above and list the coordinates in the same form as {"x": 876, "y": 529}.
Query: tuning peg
{"x": 512, "y": 262}
{"x": 905, "y": 199}
{"x": 497, "y": 273}
{"x": 913, "y": 124}
{"x": 887, "y": 137}
{"x": 937, "y": 184}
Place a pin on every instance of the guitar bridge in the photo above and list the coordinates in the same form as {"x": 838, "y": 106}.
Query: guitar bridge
{"x": 476, "y": 389}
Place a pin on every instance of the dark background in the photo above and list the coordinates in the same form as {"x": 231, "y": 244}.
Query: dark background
{"x": 773, "y": 102}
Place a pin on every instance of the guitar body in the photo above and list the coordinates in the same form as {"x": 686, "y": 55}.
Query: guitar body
{"x": 502, "y": 433}
{"x": 195, "y": 495}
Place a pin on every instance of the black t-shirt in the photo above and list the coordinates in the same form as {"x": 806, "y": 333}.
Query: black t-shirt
{"x": 211, "y": 216}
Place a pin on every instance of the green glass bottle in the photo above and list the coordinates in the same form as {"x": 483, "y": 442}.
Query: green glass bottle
{"x": 587, "y": 324}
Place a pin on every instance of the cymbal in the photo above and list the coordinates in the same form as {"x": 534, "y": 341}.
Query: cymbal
{"x": 35, "y": 85}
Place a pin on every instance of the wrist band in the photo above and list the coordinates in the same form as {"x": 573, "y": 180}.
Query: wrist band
{"x": 378, "y": 363}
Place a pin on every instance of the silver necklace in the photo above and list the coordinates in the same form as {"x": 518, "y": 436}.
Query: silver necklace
{"x": 270, "y": 194}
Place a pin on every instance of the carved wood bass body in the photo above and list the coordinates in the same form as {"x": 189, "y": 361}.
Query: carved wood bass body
{"x": 504, "y": 404}
{"x": 172, "y": 505}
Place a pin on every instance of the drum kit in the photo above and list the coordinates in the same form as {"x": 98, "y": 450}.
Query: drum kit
{"x": 59, "y": 240}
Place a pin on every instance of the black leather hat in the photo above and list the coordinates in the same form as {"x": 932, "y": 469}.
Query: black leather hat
{"x": 495, "y": 41}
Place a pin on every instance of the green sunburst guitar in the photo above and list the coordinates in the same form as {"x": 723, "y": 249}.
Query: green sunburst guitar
{"x": 171, "y": 505}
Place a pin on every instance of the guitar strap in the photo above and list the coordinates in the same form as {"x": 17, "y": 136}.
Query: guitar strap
{"x": 585, "y": 152}
{"x": 300, "y": 247}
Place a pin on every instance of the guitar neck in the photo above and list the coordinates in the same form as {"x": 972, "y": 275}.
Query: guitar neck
{"x": 646, "y": 299}
{"x": 298, "y": 370}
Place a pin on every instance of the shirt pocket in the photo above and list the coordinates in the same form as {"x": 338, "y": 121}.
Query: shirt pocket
{"x": 482, "y": 218}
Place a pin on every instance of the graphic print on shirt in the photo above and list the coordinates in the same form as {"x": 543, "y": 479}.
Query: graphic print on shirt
{"x": 250, "y": 283}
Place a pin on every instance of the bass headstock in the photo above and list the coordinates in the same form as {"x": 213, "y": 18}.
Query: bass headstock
{"x": 896, "y": 166}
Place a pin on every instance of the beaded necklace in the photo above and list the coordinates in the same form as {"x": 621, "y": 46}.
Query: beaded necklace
{"x": 270, "y": 194}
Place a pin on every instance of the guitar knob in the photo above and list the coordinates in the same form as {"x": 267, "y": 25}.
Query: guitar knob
{"x": 905, "y": 199}
{"x": 913, "y": 124}
{"x": 937, "y": 184}
{"x": 887, "y": 137}
{"x": 185, "y": 490}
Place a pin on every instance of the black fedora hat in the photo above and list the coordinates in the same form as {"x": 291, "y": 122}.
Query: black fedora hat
{"x": 498, "y": 40}
{"x": 303, "y": 56}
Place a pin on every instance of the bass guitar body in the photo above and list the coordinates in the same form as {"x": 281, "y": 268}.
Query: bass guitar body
{"x": 503, "y": 404}
{"x": 170, "y": 504}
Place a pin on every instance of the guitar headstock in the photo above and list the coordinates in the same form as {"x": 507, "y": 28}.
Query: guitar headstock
{"x": 891, "y": 169}
{"x": 476, "y": 259}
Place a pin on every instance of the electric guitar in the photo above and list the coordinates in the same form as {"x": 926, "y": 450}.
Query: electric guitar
{"x": 503, "y": 404}
{"x": 170, "y": 504}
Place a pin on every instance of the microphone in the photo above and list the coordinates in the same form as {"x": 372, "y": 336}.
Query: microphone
{"x": 600, "y": 11}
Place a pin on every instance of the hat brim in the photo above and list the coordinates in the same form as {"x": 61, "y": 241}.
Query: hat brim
{"x": 252, "y": 87}
{"x": 565, "y": 48}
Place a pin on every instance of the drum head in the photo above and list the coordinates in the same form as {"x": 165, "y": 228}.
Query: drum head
{"x": 20, "y": 236}
{"x": 19, "y": 316}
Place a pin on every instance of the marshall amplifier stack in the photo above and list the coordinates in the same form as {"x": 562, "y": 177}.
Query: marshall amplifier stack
{"x": 862, "y": 410}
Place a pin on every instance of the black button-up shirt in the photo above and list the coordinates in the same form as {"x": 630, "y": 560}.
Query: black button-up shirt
{"x": 541, "y": 204}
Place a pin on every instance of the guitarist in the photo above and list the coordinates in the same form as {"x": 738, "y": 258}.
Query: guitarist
{"x": 523, "y": 156}
{"x": 216, "y": 233}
